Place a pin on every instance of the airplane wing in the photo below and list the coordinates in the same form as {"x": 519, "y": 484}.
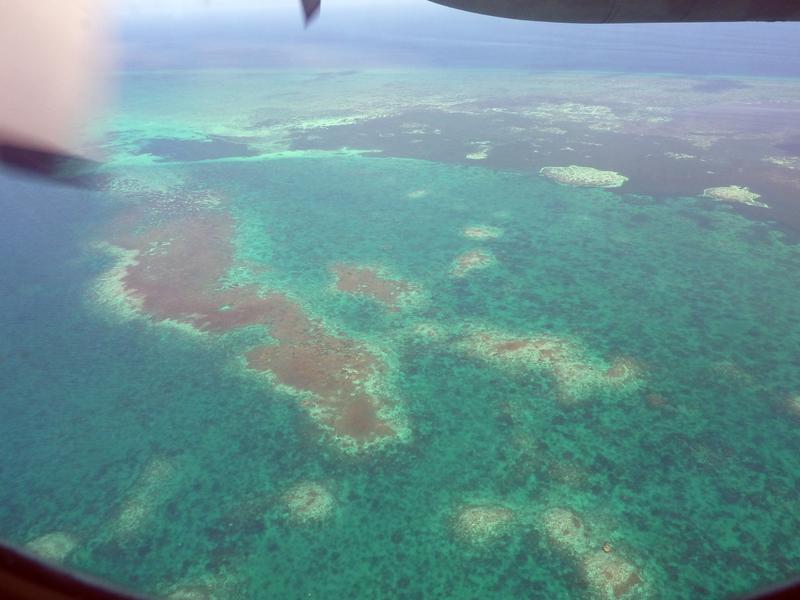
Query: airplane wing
{"x": 633, "y": 11}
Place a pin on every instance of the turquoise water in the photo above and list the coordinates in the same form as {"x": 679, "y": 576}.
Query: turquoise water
{"x": 167, "y": 462}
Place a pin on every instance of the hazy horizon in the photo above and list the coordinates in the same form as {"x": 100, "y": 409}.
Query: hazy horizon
{"x": 356, "y": 34}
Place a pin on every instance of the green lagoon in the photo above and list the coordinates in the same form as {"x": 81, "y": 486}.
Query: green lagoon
{"x": 332, "y": 334}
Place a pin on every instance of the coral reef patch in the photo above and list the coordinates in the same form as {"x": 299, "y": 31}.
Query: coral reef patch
{"x": 584, "y": 176}
{"x": 482, "y": 523}
{"x": 735, "y": 194}
{"x": 308, "y": 502}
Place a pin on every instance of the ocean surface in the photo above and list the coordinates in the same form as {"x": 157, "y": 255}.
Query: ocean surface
{"x": 346, "y": 333}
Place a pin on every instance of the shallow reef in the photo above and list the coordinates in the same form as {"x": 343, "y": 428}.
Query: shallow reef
{"x": 308, "y": 502}
{"x": 368, "y": 281}
{"x": 482, "y": 233}
{"x": 734, "y": 193}
{"x": 472, "y": 260}
{"x": 175, "y": 275}
{"x": 482, "y": 523}
{"x": 606, "y": 573}
{"x": 584, "y": 176}
{"x": 55, "y": 546}
{"x": 335, "y": 357}
{"x": 143, "y": 499}
{"x": 578, "y": 373}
